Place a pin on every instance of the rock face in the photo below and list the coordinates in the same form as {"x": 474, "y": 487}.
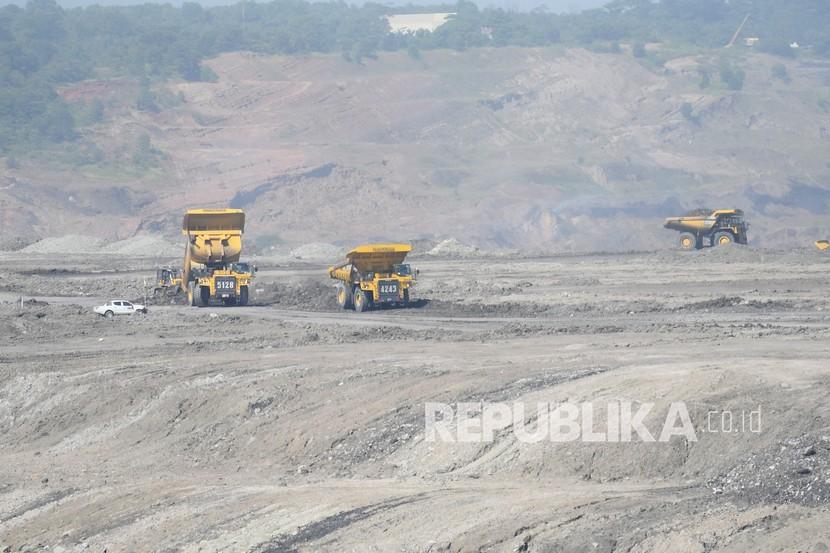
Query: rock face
{"x": 530, "y": 148}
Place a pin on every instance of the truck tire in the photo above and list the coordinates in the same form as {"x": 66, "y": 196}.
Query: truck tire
{"x": 243, "y": 296}
{"x": 406, "y": 297}
{"x": 723, "y": 239}
{"x": 191, "y": 295}
{"x": 204, "y": 295}
{"x": 361, "y": 301}
{"x": 344, "y": 296}
{"x": 688, "y": 241}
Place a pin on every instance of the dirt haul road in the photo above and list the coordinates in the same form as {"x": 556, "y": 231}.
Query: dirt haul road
{"x": 292, "y": 426}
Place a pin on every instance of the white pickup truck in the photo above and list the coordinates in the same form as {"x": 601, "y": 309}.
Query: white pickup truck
{"x": 119, "y": 307}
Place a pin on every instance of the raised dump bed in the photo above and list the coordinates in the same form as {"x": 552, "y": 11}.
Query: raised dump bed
{"x": 214, "y": 243}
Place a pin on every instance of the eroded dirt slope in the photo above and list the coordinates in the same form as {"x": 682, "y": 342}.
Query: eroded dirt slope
{"x": 543, "y": 148}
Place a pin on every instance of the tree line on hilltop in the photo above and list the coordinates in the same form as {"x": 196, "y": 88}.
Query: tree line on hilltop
{"x": 43, "y": 46}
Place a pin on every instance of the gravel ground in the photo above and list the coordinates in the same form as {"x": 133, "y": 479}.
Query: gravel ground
{"x": 291, "y": 425}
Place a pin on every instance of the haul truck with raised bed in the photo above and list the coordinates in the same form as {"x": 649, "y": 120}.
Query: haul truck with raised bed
{"x": 719, "y": 227}
{"x": 374, "y": 275}
{"x": 211, "y": 259}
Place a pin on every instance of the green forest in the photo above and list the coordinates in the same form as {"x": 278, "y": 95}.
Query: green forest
{"x": 43, "y": 46}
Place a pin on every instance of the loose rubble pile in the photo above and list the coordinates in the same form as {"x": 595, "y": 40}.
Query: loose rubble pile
{"x": 794, "y": 471}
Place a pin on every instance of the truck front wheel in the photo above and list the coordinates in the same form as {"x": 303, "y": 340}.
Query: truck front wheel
{"x": 722, "y": 239}
{"x": 204, "y": 295}
{"x": 243, "y": 295}
{"x": 191, "y": 295}
{"x": 361, "y": 301}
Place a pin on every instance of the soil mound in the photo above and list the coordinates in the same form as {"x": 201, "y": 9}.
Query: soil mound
{"x": 143, "y": 246}
{"x": 69, "y": 243}
{"x": 317, "y": 251}
{"x": 453, "y": 248}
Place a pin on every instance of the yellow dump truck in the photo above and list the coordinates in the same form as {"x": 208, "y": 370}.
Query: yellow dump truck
{"x": 374, "y": 275}
{"x": 718, "y": 228}
{"x": 211, "y": 260}
{"x": 823, "y": 245}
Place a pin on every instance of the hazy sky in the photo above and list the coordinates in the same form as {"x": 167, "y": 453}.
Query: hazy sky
{"x": 519, "y": 5}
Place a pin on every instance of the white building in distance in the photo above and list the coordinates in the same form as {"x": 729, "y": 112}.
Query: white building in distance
{"x": 414, "y": 22}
